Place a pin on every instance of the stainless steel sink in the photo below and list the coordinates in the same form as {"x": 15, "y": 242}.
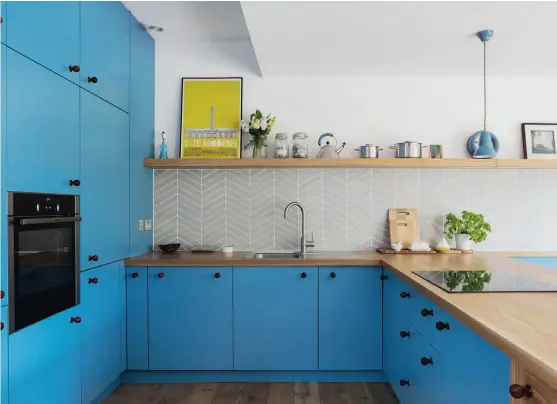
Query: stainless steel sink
{"x": 309, "y": 255}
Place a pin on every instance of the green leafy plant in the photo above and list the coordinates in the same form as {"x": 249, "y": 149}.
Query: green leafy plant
{"x": 471, "y": 223}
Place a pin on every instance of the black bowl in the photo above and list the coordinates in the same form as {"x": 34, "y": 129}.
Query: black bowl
{"x": 169, "y": 248}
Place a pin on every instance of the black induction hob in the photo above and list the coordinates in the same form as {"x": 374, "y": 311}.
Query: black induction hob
{"x": 485, "y": 281}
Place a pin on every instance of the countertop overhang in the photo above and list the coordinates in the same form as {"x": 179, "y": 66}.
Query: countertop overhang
{"x": 523, "y": 325}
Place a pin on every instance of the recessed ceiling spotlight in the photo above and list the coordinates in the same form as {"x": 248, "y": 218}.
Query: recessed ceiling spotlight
{"x": 153, "y": 28}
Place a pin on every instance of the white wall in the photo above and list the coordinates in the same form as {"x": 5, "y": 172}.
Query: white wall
{"x": 378, "y": 110}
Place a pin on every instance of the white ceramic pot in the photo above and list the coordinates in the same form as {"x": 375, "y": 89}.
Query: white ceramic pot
{"x": 463, "y": 242}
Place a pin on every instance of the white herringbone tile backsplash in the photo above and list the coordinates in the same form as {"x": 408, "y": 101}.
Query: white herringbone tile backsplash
{"x": 346, "y": 209}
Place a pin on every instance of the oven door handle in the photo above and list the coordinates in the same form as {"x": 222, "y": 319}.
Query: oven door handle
{"x": 50, "y": 220}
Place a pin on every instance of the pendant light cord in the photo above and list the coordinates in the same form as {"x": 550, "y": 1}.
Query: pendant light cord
{"x": 485, "y": 87}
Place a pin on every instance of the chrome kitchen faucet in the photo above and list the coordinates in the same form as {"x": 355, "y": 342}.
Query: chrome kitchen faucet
{"x": 303, "y": 243}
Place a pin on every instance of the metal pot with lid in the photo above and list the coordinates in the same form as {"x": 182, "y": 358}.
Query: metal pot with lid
{"x": 408, "y": 149}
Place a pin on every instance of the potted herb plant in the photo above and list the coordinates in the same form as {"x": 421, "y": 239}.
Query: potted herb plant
{"x": 469, "y": 227}
{"x": 259, "y": 128}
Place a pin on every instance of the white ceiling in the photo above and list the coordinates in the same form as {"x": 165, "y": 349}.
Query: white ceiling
{"x": 193, "y": 20}
{"x": 340, "y": 38}
{"x": 402, "y": 38}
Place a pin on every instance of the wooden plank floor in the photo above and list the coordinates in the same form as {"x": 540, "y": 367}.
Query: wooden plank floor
{"x": 254, "y": 393}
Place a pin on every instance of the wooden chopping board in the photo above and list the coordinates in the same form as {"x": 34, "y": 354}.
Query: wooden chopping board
{"x": 403, "y": 226}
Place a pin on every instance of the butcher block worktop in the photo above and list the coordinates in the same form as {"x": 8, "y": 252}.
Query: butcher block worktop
{"x": 523, "y": 325}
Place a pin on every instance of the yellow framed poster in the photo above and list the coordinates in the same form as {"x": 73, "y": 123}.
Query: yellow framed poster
{"x": 211, "y": 114}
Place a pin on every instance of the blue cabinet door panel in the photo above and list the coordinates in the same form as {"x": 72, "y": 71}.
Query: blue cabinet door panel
{"x": 4, "y": 327}
{"x": 105, "y": 51}
{"x": 142, "y": 128}
{"x": 101, "y": 329}
{"x": 275, "y": 318}
{"x": 105, "y": 182}
{"x": 46, "y": 32}
{"x": 350, "y": 312}
{"x": 137, "y": 332}
{"x": 42, "y": 128}
{"x": 190, "y": 318}
{"x": 45, "y": 361}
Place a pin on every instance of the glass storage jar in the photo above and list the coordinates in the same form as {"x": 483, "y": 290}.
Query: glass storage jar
{"x": 300, "y": 145}
{"x": 282, "y": 146}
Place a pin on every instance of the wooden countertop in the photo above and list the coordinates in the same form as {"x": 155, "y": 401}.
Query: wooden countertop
{"x": 523, "y": 325}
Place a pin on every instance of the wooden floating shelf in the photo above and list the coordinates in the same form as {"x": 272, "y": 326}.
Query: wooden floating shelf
{"x": 357, "y": 162}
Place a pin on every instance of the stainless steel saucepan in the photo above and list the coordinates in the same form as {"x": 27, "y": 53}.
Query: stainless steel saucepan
{"x": 369, "y": 151}
{"x": 408, "y": 149}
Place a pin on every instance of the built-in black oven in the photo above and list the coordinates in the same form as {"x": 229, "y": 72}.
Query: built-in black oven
{"x": 43, "y": 256}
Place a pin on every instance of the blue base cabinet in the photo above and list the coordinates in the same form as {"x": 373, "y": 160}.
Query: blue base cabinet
{"x": 275, "y": 318}
{"x": 46, "y": 32}
{"x": 432, "y": 358}
{"x": 42, "y": 128}
{"x": 45, "y": 361}
{"x": 105, "y": 182}
{"x": 137, "y": 321}
{"x": 350, "y": 312}
{"x": 101, "y": 328}
{"x": 190, "y": 318}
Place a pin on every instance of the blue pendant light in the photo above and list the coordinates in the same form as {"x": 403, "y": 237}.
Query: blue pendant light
{"x": 483, "y": 144}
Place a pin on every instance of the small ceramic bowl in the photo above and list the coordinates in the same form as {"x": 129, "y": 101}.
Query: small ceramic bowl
{"x": 396, "y": 246}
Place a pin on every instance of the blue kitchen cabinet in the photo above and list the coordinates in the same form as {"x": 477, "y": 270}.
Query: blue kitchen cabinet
{"x": 46, "y": 32}
{"x": 137, "y": 321}
{"x": 275, "y": 318}
{"x": 105, "y": 51}
{"x": 122, "y": 316}
{"x": 190, "y": 318}
{"x": 45, "y": 360}
{"x": 142, "y": 128}
{"x": 100, "y": 305}
{"x": 42, "y": 129}
{"x": 4, "y": 327}
{"x": 105, "y": 182}
{"x": 350, "y": 313}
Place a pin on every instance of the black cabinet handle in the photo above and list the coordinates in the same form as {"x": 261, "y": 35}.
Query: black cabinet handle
{"x": 93, "y": 258}
{"x": 93, "y": 80}
{"x": 518, "y": 391}
{"x": 384, "y": 277}
{"x": 404, "y": 334}
{"x": 75, "y": 183}
{"x": 93, "y": 280}
{"x": 426, "y": 361}
{"x": 160, "y": 275}
{"x": 217, "y": 275}
{"x": 304, "y": 275}
{"x": 427, "y": 312}
{"x": 442, "y": 325}
{"x": 74, "y": 68}
{"x": 404, "y": 295}
{"x": 75, "y": 320}
{"x": 404, "y": 383}
{"x": 333, "y": 275}
{"x": 135, "y": 275}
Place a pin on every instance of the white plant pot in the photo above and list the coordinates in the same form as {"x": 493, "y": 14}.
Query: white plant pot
{"x": 463, "y": 242}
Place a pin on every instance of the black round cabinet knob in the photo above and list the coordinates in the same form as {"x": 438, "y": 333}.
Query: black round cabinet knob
{"x": 442, "y": 325}
{"x": 426, "y": 361}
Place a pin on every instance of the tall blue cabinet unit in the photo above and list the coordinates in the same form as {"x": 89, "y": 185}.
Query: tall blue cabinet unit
{"x": 68, "y": 71}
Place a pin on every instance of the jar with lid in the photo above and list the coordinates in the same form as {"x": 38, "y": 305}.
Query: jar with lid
{"x": 300, "y": 145}
{"x": 282, "y": 147}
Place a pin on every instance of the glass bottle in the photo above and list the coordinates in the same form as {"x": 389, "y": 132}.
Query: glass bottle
{"x": 300, "y": 145}
{"x": 282, "y": 146}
